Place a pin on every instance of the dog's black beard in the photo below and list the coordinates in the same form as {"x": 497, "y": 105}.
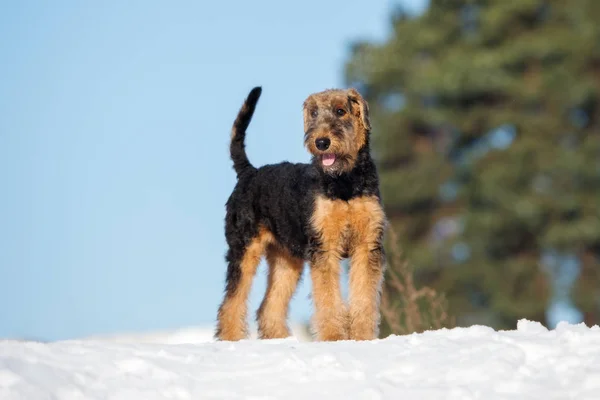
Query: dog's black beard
{"x": 340, "y": 183}
{"x": 342, "y": 165}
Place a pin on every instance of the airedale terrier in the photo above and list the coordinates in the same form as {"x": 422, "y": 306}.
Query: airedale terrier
{"x": 319, "y": 212}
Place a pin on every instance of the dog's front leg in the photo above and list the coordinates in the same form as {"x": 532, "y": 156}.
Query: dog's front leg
{"x": 331, "y": 316}
{"x": 366, "y": 277}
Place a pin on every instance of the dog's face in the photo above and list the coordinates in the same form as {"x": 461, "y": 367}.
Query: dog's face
{"x": 336, "y": 125}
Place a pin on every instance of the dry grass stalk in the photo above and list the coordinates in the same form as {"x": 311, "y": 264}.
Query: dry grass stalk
{"x": 404, "y": 308}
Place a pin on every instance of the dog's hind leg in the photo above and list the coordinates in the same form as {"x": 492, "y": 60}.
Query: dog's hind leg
{"x": 232, "y": 316}
{"x": 284, "y": 274}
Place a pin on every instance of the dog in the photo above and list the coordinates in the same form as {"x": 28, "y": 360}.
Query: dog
{"x": 319, "y": 212}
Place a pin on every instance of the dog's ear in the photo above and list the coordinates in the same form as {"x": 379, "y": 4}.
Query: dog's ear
{"x": 356, "y": 98}
{"x": 306, "y": 112}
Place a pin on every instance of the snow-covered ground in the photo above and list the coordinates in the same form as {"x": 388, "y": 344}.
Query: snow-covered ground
{"x": 192, "y": 335}
{"x": 463, "y": 363}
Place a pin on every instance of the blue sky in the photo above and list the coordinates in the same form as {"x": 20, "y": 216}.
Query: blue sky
{"x": 114, "y": 164}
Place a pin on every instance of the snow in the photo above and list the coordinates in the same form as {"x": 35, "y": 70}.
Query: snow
{"x": 192, "y": 335}
{"x": 462, "y": 363}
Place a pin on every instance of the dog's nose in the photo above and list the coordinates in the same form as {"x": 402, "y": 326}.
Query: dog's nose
{"x": 322, "y": 143}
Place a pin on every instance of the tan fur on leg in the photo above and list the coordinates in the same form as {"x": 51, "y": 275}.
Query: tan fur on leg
{"x": 366, "y": 268}
{"x": 284, "y": 275}
{"x": 331, "y": 315}
{"x": 232, "y": 317}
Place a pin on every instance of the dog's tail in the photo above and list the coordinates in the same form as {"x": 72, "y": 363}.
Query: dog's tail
{"x": 238, "y": 132}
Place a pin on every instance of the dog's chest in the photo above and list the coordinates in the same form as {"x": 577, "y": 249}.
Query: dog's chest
{"x": 342, "y": 225}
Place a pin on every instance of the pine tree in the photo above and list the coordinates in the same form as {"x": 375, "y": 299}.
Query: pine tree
{"x": 486, "y": 118}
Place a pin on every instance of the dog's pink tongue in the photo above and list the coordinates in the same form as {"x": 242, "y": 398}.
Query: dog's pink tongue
{"x": 328, "y": 159}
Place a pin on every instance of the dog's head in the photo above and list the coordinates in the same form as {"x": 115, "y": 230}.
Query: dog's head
{"x": 336, "y": 126}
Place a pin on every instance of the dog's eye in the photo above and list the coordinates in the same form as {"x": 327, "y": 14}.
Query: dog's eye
{"x": 340, "y": 111}
{"x": 313, "y": 113}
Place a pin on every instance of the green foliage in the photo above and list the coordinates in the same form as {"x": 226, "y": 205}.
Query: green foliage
{"x": 486, "y": 117}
